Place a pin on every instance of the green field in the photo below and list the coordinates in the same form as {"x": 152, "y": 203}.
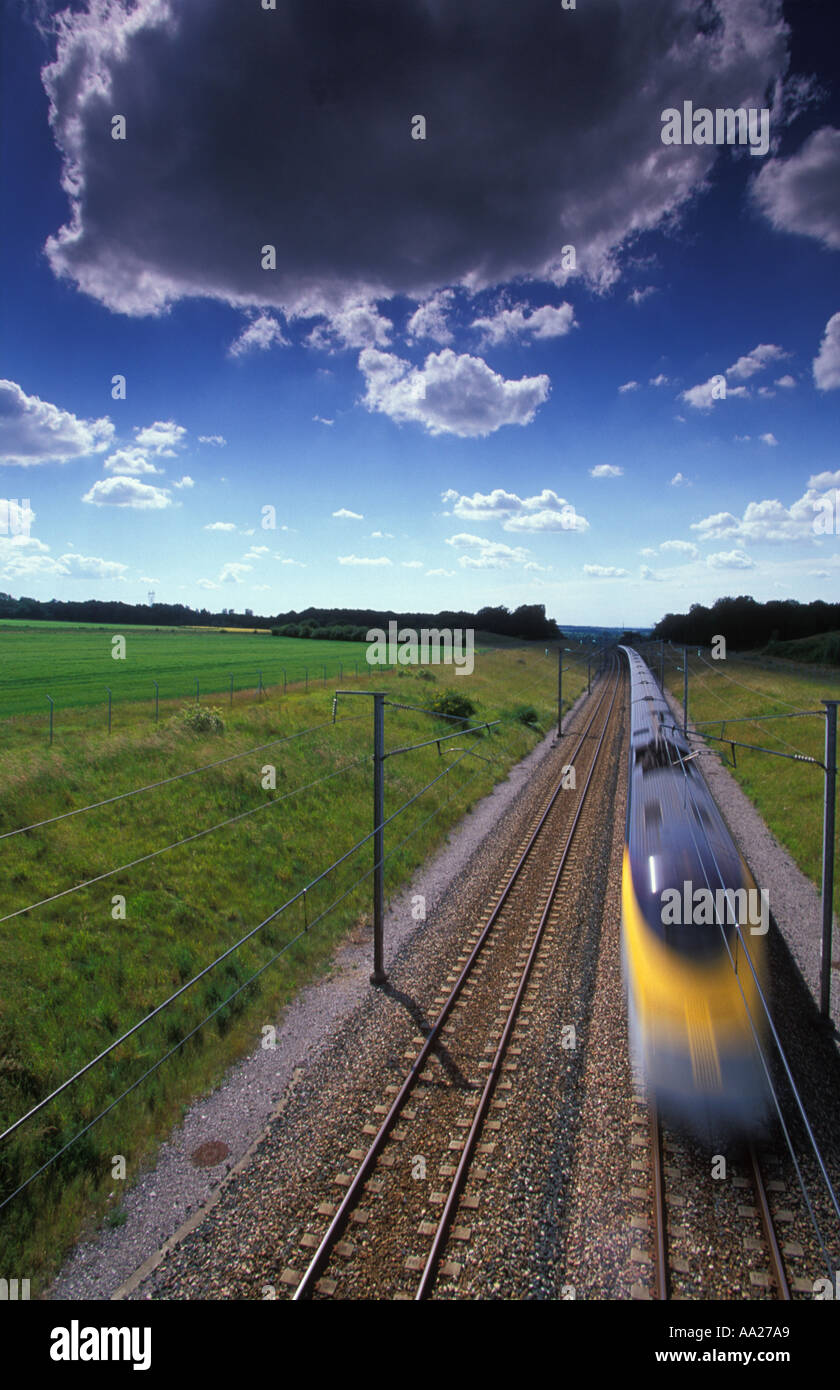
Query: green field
{"x": 75, "y": 977}
{"x": 74, "y": 664}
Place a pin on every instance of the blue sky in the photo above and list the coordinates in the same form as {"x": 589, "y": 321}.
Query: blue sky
{"x": 442, "y": 411}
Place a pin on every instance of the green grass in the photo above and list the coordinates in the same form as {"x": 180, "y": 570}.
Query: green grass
{"x": 75, "y": 977}
{"x": 75, "y": 664}
{"x": 787, "y": 794}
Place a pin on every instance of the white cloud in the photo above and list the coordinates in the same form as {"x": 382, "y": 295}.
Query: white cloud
{"x": 606, "y": 470}
{"x": 363, "y": 560}
{"x": 486, "y": 554}
{"x": 298, "y": 564}
{"x": 827, "y": 361}
{"x": 681, "y": 548}
{"x": 320, "y": 420}
{"x": 89, "y": 567}
{"x": 412, "y": 564}
{"x": 660, "y": 380}
{"x": 122, "y": 491}
{"x": 545, "y": 511}
{"x": 258, "y": 336}
{"x": 32, "y": 431}
{"x": 449, "y": 394}
{"x": 768, "y": 438}
{"x": 755, "y": 361}
{"x": 207, "y": 584}
{"x": 355, "y": 325}
{"x": 770, "y": 521}
{"x": 217, "y": 439}
{"x": 220, "y": 526}
{"x": 382, "y": 535}
{"x": 352, "y": 516}
{"x": 162, "y": 438}
{"x": 701, "y": 397}
{"x": 628, "y": 386}
{"x": 440, "y": 574}
{"x": 233, "y": 572}
{"x": 256, "y": 552}
{"x": 605, "y": 572}
{"x": 649, "y": 575}
{"x": 680, "y": 480}
{"x": 801, "y": 194}
{"x": 429, "y": 319}
{"x": 787, "y": 381}
{"x": 730, "y": 560}
{"x": 132, "y": 462}
{"x": 638, "y": 297}
{"x": 545, "y": 322}
{"x": 185, "y": 482}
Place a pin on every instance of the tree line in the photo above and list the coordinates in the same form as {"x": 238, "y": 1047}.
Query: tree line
{"x": 747, "y": 624}
{"x": 528, "y": 622}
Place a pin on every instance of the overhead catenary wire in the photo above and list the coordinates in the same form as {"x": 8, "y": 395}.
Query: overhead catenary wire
{"x": 176, "y": 777}
{"x": 188, "y": 839}
{"x": 135, "y": 1028}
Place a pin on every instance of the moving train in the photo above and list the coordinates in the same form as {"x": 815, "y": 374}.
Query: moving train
{"x": 694, "y": 1011}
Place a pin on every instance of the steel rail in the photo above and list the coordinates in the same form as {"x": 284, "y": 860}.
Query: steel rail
{"x": 779, "y": 1276}
{"x": 368, "y": 1163}
{"x": 660, "y": 1210}
{"x": 430, "y": 1269}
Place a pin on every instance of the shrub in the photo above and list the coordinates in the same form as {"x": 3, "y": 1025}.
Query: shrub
{"x": 526, "y": 714}
{"x": 203, "y": 719}
{"x": 452, "y": 702}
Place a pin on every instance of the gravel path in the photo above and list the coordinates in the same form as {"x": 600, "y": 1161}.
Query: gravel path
{"x": 170, "y": 1199}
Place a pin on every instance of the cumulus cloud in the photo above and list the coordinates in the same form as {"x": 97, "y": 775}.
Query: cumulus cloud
{"x": 482, "y": 554}
{"x": 32, "y": 431}
{"x": 771, "y": 521}
{"x": 637, "y": 297}
{"x": 628, "y": 386}
{"x": 429, "y": 319}
{"x": 703, "y": 396}
{"x": 217, "y": 439}
{"x": 605, "y": 572}
{"x": 801, "y": 194}
{"x": 827, "y": 361}
{"x": 354, "y": 208}
{"x": 506, "y": 324}
{"x": 355, "y": 325}
{"x": 545, "y": 511}
{"x": 681, "y": 548}
{"x": 258, "y": 336}
{"x": 450, "y": 394}
{"x": 23, "y": 558}
{"x": 787, "y": 381}
{"x": 680, "y": 480}
{"x": 232, "y": 573}
{"x": 730, "y": 560}
{"x": 363, "y": 560}
{"x": 123, "y": 491}
{"x": 220, "y": 526}
{"x": 768, "y": 438}
{"x": 353, "y": 516}
{"x": 162, "y": 438}
{"x": 606, "y": 470}
{"x": 130, "y": 461}
{"x": 185, "y": 482}
{"x": 659, "y": 380}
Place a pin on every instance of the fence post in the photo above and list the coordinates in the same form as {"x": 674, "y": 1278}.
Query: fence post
{"x": 108, "y": 688}
{"x": 157, "y": 697}
{"x": 379, "y": 976}
{"x": 828, "y": 853}
{"x": 559, "y": 692}
{"x": 52, "y": 705}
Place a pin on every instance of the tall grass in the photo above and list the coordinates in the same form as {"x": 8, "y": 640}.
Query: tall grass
{"x": 76, "y": 974}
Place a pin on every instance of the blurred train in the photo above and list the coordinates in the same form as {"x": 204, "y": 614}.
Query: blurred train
{"x": 694, "y": 1022}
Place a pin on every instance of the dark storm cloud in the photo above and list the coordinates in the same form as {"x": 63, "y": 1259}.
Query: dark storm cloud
{"x": 292, "y": 127}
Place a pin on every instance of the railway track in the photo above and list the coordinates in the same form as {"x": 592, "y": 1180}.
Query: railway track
{"x": 447, "y": 1104}
{"x": 666, "y": 1277}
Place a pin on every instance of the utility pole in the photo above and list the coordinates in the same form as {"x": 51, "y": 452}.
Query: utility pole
{"x": 828, "y": 853}
{"x": 559, "y": 692}
{"x": 378, "y": 977}
{"x": 685, "y": 690}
